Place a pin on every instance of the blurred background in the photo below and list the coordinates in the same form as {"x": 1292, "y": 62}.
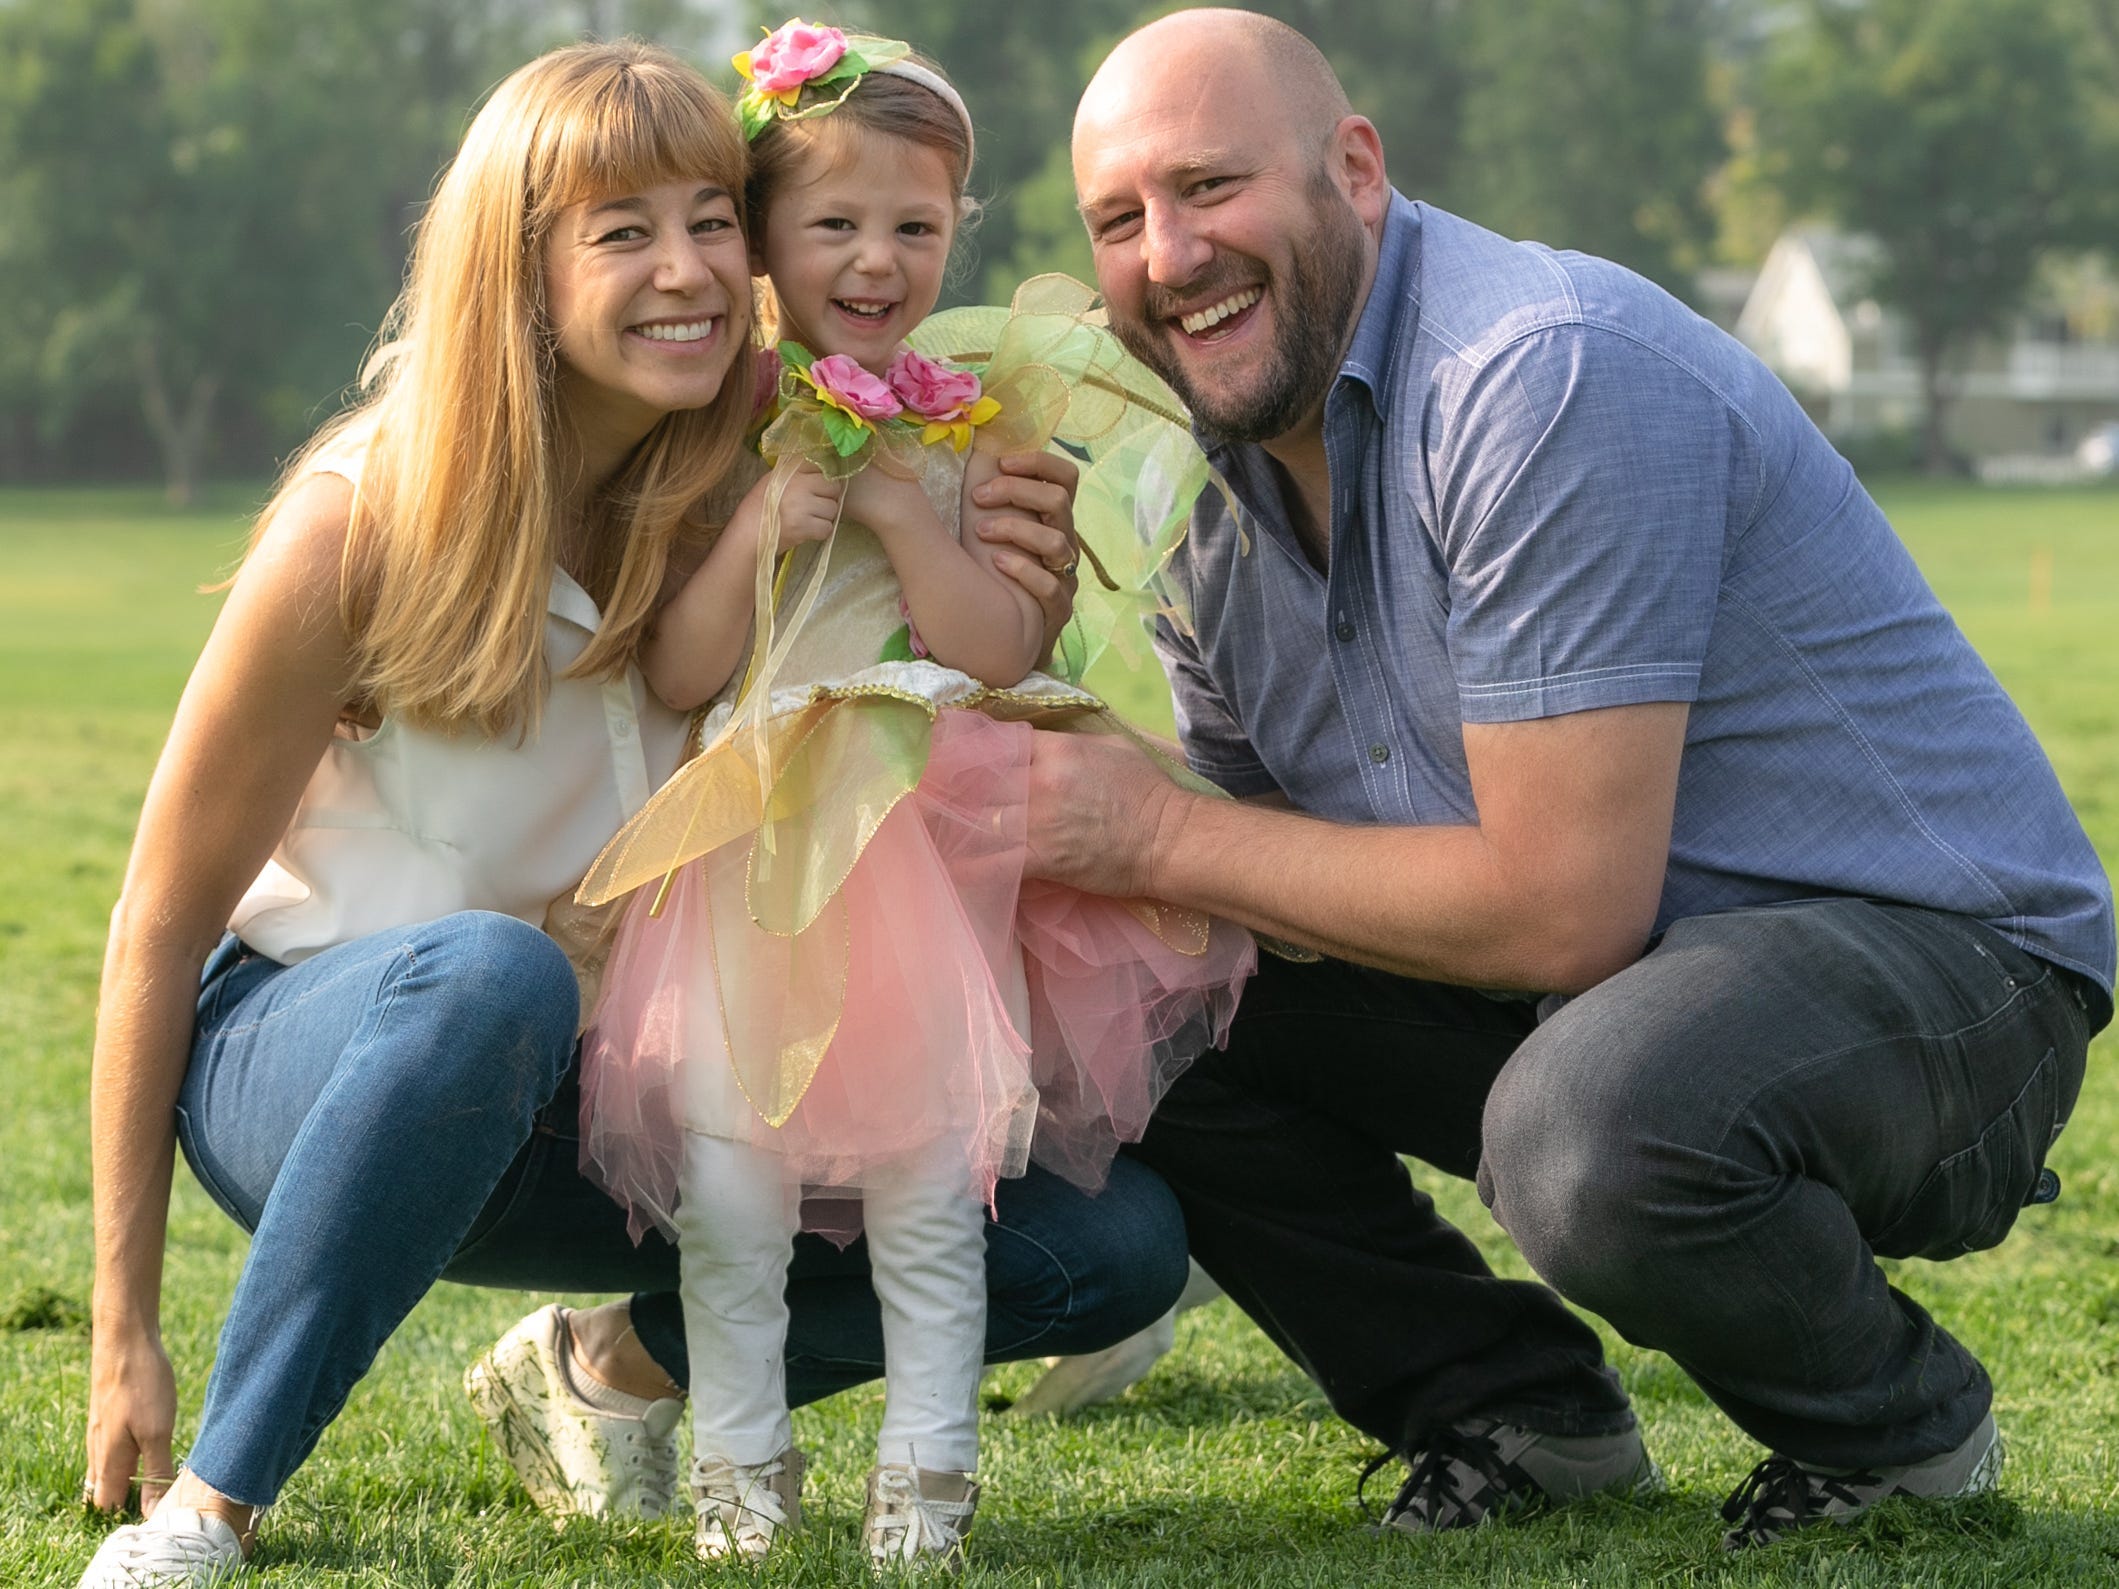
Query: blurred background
{"x": 1909, "y": 207}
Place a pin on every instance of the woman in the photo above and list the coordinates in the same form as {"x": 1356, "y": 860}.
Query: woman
{"x": 415, "y": 723}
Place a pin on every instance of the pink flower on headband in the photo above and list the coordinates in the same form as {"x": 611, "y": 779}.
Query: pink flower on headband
{"x": 931, "y": 390}
{"x": 797, "y": 53}
{"x": 842, "y": 382}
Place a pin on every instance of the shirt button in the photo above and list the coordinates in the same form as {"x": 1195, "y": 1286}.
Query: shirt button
{"x": 1379, "y": 754}
{"x": 1345, "y": 631}
{"x": 622, "y": 729}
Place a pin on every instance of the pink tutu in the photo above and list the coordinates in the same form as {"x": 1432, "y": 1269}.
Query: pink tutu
{"x": 1009, "y": 1020}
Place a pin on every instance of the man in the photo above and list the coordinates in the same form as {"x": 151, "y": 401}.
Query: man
{"x": 1679, "y": 869}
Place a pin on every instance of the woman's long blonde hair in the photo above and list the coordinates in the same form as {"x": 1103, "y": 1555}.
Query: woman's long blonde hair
{"x": 450, "y": 559}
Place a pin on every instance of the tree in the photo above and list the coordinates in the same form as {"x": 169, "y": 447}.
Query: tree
{"x": 1950, "y": 131}
{"x": 180, "y": 206}
{"x": 1587, "y": 124}
{"x": 207, "y": 202}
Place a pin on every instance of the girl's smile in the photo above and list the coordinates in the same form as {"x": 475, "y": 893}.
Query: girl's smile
{"x": 856, "y": 242}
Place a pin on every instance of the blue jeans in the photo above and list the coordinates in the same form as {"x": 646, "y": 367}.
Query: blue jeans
{"x": 403, "y": 1108}
{"x": 1706, "y": 1149}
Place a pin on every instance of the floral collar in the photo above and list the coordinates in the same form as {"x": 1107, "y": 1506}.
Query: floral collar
{"x": 933, "y": 398}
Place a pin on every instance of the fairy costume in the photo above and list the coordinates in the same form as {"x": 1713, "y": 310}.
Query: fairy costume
{"x": 832, "y": 953}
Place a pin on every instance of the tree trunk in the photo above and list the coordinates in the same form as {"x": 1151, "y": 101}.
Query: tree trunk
{"x": 1936, "y": 458}
{"x": 179, "y": 425}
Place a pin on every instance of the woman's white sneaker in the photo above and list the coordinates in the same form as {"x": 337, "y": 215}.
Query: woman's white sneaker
{"x": 575, "y": 1459}
{"x": 177, "y": 1548}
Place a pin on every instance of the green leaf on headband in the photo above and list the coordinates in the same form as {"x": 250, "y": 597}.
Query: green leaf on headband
{"x": 754, "y": 113}
{"x": 864, "y": 53}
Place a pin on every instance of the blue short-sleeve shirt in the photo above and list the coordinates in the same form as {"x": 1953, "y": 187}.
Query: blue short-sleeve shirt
{"x": 1555, "y": 488}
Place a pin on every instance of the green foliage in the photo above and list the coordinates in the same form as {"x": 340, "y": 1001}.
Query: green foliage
{"x": 1224, "y": 1467}
{"x": 1950, "y": 131}
{"x": 1587, "y": 125}
{"x": 205, "y": 204}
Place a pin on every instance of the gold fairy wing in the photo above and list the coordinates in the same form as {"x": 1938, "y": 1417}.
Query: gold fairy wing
{"x": 832, "y": 793}
{"x": 781, "y": 997}
{"x": 710, "y": 801}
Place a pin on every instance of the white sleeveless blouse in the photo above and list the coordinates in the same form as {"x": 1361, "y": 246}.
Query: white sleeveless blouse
{"x": 407, "y": 824}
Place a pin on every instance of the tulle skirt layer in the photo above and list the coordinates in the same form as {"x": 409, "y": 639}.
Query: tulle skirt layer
{"x": 939, "y": 1005}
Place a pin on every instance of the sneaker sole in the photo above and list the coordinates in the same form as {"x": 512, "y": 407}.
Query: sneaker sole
{"x": 1985, "y": 1476}
{"x": 517, "y": 1432}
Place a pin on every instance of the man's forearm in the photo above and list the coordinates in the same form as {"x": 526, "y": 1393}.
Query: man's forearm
{"x": 1431, "y": 902}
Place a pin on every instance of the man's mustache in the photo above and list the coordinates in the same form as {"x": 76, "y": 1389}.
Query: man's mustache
{"x": 1222, "y": 275}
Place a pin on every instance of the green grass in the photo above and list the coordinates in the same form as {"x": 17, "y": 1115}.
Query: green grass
{"x": 1224, "y": 1466}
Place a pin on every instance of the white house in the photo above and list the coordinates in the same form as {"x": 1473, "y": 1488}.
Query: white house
{"x": 2039, "y": 391}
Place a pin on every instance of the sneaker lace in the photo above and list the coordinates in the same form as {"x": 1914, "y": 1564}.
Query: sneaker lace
{"x": 164, "y": 1549}
{"x": 1433, "y": 1484}
{"x": 638, "y": 1454}
{"x": 1781, "y": 1493}
{"x": 731, "y": 1490}
{"x": 908, "y": 1524}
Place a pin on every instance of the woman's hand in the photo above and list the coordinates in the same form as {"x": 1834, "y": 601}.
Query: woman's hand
{"x": 256, "y": 715}
{"x": 1032, "y": 530}
{"x": 132, "y": 1410}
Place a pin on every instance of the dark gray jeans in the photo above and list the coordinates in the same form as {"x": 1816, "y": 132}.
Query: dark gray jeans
{"x": 1706, "y": 1150}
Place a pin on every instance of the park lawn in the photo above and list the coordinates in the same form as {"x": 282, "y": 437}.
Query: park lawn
{"x": 1224, "y": 1467}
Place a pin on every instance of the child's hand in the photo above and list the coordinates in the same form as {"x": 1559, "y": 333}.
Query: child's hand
{"x": 887, "y": 504}
{"x": 809, "y": 506}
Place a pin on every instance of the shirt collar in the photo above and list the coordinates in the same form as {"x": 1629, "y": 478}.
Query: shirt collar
{"x": 1393, "y": 303}
{"x": 571, "y": 603}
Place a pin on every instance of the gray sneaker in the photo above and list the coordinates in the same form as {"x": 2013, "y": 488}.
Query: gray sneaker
{"x": 1479, "y": 1468}
{"x": 1782, "y": 1494}
{"x": 574, "y": 1459}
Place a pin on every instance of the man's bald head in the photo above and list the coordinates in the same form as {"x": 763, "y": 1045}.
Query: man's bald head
{"x": 1216, "y": 49}
{"x": 1235, "y": 206}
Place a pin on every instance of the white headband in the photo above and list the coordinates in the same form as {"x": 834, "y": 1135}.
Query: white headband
{"x": 938, "y": 85}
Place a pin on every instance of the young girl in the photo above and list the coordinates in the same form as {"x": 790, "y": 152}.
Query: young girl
{"x": 833, "y": 976}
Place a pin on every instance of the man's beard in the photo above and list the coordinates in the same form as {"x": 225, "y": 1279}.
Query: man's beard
{"x": 1313, "y": 315}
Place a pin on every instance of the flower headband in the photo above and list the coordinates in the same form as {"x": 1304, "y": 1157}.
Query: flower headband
{"x": 799, "y": 55}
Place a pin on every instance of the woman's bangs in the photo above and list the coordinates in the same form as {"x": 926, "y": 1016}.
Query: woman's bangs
{"x": 638, "y": 129}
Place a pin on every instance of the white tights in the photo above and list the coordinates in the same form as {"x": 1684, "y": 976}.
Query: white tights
{"x": 736, "y": 1219}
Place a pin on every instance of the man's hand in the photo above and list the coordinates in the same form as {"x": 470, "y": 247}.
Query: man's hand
{"x": 1554, "y": 889}
{"x": 1033, "y": 525}
{"x": 1100, "y": 813}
